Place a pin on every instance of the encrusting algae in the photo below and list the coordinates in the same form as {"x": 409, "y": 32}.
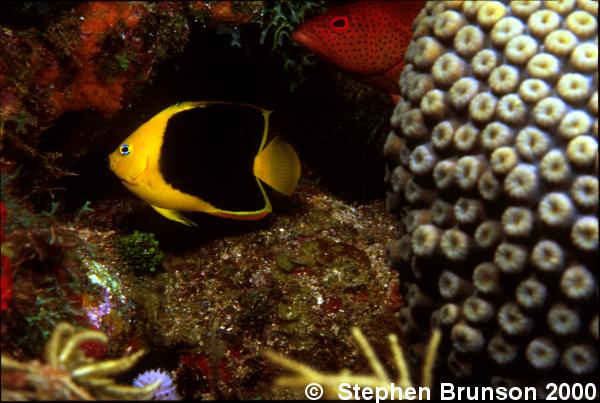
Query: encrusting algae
{"x": 68, "y": 374}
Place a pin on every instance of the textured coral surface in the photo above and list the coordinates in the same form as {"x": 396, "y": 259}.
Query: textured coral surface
{"x": 492, "y": 172}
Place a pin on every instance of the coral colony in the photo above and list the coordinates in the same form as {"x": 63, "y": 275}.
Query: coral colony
{"x": 501, "y": 229}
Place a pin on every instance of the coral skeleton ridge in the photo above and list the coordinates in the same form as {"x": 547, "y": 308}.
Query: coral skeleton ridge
{"x": 304, "y": 375}
{"x": 68, "y": 374}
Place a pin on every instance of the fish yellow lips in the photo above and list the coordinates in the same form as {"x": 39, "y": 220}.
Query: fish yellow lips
{"x": 132, "y": 181}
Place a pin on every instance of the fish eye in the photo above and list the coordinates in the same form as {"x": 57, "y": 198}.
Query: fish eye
{"x": 339, "y": 24}
{"x": 125, "y": 149}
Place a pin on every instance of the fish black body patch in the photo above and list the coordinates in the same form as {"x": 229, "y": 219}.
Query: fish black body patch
{"x": 209, "y": 152}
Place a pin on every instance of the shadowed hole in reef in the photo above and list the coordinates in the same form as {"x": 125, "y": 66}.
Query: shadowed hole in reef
{"x": 339, "y": 145}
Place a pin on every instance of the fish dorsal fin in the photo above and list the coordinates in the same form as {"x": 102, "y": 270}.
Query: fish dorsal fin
{"x": 278, "y": 166}
{"x": 174, "y": 215}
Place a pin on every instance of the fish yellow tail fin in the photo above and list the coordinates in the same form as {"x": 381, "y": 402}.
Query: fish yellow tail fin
{"x": 278, "y": 166}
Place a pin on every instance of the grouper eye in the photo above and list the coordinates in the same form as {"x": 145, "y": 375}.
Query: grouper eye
{"x": 125, "y": 149}
{"x": 339, "y": 24}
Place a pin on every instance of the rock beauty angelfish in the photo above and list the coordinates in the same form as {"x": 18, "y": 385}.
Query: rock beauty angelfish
{"x": 209, "y": 157}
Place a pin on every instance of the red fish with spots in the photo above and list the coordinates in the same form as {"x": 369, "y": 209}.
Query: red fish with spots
{"x": 367, "y": 39}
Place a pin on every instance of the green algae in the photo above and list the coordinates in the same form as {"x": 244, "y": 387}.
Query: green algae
{"x": 284, "y": 263}
{"x": 141, "y": 251}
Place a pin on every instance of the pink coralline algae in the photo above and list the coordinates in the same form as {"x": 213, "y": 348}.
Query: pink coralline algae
{"x": 96, "y": 313}
{"x": 6, "y": 277}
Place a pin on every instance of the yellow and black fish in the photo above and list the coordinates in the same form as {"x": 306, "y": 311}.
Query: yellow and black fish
{"x": 206, "y": 157}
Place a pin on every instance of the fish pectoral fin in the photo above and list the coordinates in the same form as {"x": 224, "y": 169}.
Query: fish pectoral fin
{"x": 174, "y": 215}
{"x": 278, "y": 166}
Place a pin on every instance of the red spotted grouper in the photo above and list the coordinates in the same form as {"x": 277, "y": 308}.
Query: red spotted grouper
{"x": 366, "y": 39}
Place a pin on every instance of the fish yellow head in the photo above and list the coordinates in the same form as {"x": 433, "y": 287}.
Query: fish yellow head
{"x": 128, "y": 163}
